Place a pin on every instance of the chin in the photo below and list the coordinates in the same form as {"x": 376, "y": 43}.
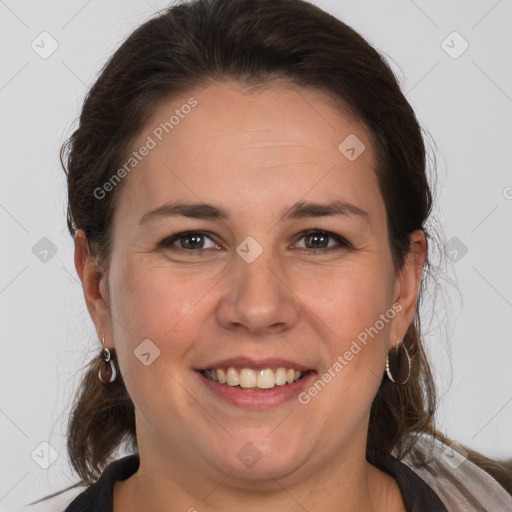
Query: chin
{"x": 270, "y": 459}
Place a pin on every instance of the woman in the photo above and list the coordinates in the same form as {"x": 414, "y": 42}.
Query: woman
{"x": 248, "y": 199}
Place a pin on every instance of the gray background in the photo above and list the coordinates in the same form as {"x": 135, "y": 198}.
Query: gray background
{"x": 465, "y": 103}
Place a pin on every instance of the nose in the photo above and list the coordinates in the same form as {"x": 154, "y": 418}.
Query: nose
{"x": 258, "y": 297}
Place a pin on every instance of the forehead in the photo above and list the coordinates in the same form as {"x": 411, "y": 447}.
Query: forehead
{"x": 268, "y": 147}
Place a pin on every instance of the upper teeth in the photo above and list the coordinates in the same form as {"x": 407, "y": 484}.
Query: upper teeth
{"x": 247, "y": 378}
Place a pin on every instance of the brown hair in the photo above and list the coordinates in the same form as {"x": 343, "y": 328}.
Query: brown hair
{"x": 190, "y": 45}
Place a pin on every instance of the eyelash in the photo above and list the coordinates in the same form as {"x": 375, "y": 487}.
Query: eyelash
{"x": 342, "y": 243}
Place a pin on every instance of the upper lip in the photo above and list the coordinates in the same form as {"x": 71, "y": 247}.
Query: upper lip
{"x": 256, "y": 363}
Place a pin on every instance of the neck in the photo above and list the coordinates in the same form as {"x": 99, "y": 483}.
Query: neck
{"x": 159, "y": 486}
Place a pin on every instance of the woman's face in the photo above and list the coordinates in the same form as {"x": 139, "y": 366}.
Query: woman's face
{"x": 250, "y": 290}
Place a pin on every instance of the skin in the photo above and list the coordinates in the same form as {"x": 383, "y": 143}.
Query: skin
{"x": 254, "y": 154}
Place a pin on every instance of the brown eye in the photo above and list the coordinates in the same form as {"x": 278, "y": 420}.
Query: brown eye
{"x": 190, "y": 240}
{"x": 319, "y": 240}
{"x": 314, "y": 240}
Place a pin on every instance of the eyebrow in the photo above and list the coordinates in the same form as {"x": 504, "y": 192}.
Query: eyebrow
{"x": 299, "y": 210}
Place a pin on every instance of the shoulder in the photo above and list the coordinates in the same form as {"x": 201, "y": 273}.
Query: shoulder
{"x": 56, "y": 503}
{"x": 417, "y": 494}
{"x": 459, "y": 483}
{"x": 97, "y": 496}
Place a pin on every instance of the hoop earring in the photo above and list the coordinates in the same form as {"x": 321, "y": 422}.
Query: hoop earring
{"x": 107, "y": 372}
{"x": 398, "y": 364}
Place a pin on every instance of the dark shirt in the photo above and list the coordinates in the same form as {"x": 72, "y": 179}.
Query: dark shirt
{"x": 418, "y": 496}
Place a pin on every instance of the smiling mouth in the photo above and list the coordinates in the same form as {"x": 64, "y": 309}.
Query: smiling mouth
{"x": 254, "y": 380}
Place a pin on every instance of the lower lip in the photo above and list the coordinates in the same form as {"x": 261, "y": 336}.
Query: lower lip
{"x": 257, "y": 399}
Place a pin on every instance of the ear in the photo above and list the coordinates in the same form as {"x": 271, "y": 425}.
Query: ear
{"x": 94, "y": 284}
{"x": 407, "y": 285}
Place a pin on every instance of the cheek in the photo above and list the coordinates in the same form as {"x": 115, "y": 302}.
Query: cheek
{"x": 355, "y": 304}
{"x": 154, "y": 328}
{"x": 350, "y": 299}
{"x": 351, "y": 303}
{"x": 153, "y": 301}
